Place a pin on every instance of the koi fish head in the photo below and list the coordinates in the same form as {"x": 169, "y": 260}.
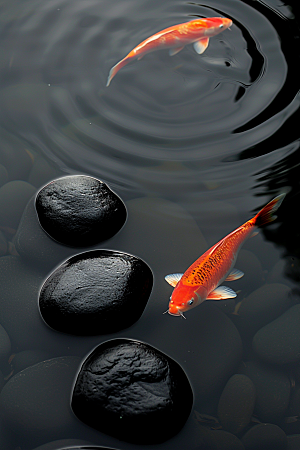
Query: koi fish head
{"x": 183, "y": 299}
{"x": 210, "y": 26}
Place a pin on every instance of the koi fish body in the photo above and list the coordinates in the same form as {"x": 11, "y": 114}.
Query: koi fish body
{"x": 203, "y": 278}
{"x": 175, "y": 38}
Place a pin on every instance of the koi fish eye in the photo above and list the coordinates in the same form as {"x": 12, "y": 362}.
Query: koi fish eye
{"x": 221, "y": 26}
{"x": 190, "y": 302}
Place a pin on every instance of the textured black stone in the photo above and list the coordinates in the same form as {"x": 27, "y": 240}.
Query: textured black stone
{"x": 133, "y": 392}
{"x": 79, "y": 210}
{"x": 96, "y": 292}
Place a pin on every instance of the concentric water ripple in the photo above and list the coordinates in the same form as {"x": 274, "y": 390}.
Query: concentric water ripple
{"x": 189, "y": 108}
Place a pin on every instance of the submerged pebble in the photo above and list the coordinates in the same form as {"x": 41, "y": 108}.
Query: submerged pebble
{"x": 279, "y": 341}
{"x": 5, "y": 346}
{"x": 96, "y": 292}
{"x": 35, "y": 403}
{"x": 66, "y": 444}
{"x": 264, "y": 305}
{"x": 272, "y": 390}
{"x": 16, "y": 194}
{"x": 293, "y": 442}
{"x": 219, "y": 440}
{"x": 34, "y": 245}
{"x": 132, "y": 391}
{"x": 265, "y": 436}
{"x": 28, "y": 358}
{"x": 79, "y": 210}
{"x": 236, "y": 403}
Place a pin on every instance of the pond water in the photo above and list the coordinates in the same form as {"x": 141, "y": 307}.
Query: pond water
{"x": 194, "y": 145}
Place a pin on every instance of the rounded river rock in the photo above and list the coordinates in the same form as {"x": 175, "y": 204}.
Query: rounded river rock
{"x": 132, "y": 391}
{"x": 279, "y": 341}
{"x": 79, "y": 210}
{"x": 96, "y": 292}
{"x": 237, "y": 403}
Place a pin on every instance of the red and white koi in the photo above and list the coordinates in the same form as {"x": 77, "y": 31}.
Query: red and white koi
{"x": 175, "y": 38}
{"x": 202, "y": 280}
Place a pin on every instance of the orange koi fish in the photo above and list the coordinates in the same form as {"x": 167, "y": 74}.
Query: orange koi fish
{"x": 175, "y": 38}
{"x": 201, "y": 281}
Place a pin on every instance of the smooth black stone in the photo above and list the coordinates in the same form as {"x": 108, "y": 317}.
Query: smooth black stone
{"x": 79, "y": 210}
{"x": 96, "y": 292}
{"x": 132, "y": 391}
{"x": 265, "y": 436}
{"x": 236, "y": 404}
{"x": 272, "y": 390}
{"x": 279, "y": 341}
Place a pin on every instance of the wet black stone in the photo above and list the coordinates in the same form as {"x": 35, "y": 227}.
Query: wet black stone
{"x": 279, "y": 341}
{"x": 133, "y": 392}
{"x": 272, "y": 390}
{"x": 265, "y": 436}
{"x": 236, "y": 404}
{"x": 35, "y": 403}
{"x": 96, "y": 292}
{"x": 79, "y": 210}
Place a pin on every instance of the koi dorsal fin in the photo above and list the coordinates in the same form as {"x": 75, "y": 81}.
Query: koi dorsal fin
{"x": 173, "y": 278}
{"x": 235, "y": 274}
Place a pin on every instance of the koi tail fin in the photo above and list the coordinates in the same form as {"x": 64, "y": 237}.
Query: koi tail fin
{"x": 266, "y": 215}
{"x": 115, "y": 69}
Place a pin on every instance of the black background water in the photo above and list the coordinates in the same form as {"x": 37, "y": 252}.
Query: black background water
{"x": 193, "y": 144}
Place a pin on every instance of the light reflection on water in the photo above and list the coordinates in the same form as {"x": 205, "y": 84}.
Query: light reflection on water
{"x": 202, "y": 136}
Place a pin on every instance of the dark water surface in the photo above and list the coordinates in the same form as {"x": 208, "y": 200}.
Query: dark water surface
{"x": 194, "y": 145}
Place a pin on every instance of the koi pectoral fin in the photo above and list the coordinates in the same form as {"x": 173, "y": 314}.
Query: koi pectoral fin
{"x": 235, "y": 274}
{"x": 221, "y": 293}
{"x": 173, "y": 278}
{"x": 174, "y": 51}
{"x": 201, "y": 45}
